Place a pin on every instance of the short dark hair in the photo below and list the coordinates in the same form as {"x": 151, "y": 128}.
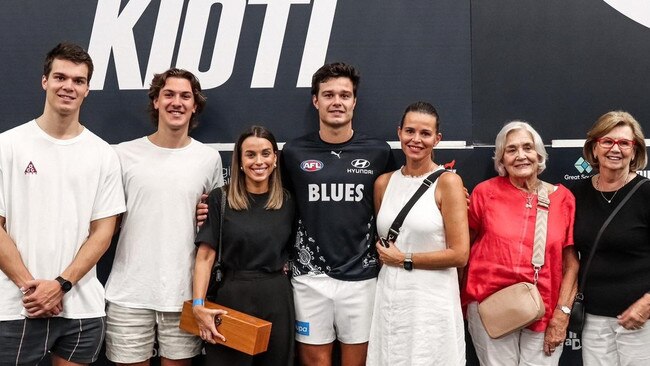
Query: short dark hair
{"x": 158, "y": 82}
{"x": 421, "y": 107}
{"x": 335, "y": 70}
{"x": 69, "y": 52}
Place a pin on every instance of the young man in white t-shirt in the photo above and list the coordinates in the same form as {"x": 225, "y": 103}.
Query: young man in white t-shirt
{"x": 164, "y": 175}
{"x": 60, "y": 192}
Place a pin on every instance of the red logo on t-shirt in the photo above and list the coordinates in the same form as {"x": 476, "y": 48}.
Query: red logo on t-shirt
{"x": 31, "y": 169}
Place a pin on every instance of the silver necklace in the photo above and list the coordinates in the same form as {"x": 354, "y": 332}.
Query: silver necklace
{"x": 528, "y": 196}
{"x": 614, "y": 195}
{"x": 529, "y": 200}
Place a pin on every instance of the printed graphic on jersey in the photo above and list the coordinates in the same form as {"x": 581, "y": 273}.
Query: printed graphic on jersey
{"x": 31, "y": 169}
{"x": 311, "y": 165}
{"x": 305, "y": 258}
{"x": 371, "y": 258}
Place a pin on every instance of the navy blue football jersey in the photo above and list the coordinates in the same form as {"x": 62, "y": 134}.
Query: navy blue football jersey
{"x": 333, "y": 187}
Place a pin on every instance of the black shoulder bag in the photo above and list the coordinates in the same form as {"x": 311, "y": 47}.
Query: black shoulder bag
{"x": 577, "y": 319}
{"x": 393, "y": 232}
{"x": 216, "y": 276}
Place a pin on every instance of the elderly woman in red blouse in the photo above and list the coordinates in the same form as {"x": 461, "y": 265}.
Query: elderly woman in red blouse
{"x": 502, "y": 216}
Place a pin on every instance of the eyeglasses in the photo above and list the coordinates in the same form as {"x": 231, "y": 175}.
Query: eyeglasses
{"x": 608, "y": 143}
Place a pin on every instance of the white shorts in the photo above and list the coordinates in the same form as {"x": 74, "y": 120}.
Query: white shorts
{"x": 329, "y": 309}
{"x": 522, "y": 347}
{"x": 130, "y": 335}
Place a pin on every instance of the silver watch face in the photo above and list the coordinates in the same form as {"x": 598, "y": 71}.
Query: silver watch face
{"x": 565, "y": 309}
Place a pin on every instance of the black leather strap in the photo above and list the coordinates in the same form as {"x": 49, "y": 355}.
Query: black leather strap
{"x": 217, "y": 264}
{"x": 399, "y": 220}
{"x": 583, "y": 279}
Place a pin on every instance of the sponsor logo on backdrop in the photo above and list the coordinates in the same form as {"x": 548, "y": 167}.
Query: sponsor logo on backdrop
{"x": 583, "y": 167}
{"x": 113, "y": 34}
{"x": 633, "y": 9}
{"x": 572, "y": 342}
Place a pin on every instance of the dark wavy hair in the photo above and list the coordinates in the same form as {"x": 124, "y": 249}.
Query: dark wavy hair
{"x": 334, "y": 70}
{"x": 158, "y": 82}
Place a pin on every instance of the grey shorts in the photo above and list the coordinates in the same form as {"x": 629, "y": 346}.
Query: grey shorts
{"x": 130, "y": 335}
{"x": 27, "y": 341}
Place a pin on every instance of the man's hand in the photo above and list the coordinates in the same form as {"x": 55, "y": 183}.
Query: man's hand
{"x": 45, "y": 298}
{"x": 202, "y": 210}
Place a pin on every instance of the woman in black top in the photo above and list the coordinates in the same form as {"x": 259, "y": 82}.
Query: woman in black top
{"x": 257, "y": 233}
{"x": 618, "y": 280}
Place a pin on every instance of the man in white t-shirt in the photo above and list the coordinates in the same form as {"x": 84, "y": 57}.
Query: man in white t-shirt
{"x": 60, "y": 192}
{"x": 164, "y": 175}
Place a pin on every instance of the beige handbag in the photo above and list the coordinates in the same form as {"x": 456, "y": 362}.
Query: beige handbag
{"x": 516, "y": 306}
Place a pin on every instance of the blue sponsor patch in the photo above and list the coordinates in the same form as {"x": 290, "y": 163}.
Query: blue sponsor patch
{"x": 302, "y": 328}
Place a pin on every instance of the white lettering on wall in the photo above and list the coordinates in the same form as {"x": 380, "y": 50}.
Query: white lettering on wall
{"x": 113, "y": 34}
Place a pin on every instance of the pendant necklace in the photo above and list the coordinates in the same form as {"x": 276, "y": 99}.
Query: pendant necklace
{"x": 529, "y": 200}
{"x": 528, "y": 196}
{"x": 614, "y": 195}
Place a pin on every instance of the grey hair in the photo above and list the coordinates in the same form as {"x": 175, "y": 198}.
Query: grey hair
{"x": 500, "y": 146}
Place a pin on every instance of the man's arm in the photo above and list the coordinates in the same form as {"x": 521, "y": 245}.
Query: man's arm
{"x": 48, "y": 293}
{"x": 11, "y": 263}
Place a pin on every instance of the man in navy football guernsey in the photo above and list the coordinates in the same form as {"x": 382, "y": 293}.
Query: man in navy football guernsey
{"x": 331, "y": 173}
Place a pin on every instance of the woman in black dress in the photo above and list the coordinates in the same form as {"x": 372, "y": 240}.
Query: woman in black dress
{"x": 257, "y": 232}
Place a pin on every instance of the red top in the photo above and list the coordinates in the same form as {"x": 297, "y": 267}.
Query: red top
{"x": 502, "y": 251}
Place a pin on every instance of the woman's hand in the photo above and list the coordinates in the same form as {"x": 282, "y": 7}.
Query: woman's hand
{"x": 205, "y": 319}
{"x": 635, "y": 316}
{"x": 390, "y": 256}
{"x": 555, "y": 332}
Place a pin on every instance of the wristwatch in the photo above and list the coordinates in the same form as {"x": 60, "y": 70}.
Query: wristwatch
{"x": 65, "y": 284}
{"x": 408, "y": 262}
{"x": 565, "y": 309}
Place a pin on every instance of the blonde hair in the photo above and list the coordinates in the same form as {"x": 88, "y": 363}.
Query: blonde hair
{"x": 604, "y": 125}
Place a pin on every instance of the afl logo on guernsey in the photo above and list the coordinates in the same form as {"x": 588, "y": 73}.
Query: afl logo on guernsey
{"x": 311, "y": 165}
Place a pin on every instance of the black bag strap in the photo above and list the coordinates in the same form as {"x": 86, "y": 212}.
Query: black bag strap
{"x": 583, "y": 280}
{"x": 399, "y": 220}
{"x": 217, "y": 263}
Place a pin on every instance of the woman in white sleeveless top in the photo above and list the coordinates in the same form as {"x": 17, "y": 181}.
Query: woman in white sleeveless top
{"x": 417, "y": 317}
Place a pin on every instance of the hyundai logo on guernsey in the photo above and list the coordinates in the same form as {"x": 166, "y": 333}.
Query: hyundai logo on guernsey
{"x": 311, "y": 165}
{"x": 302, "y": 328}
{"x": 359, "y": 167}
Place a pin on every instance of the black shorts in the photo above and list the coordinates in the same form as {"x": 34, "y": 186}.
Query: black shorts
{"x": 27, "y": 341}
